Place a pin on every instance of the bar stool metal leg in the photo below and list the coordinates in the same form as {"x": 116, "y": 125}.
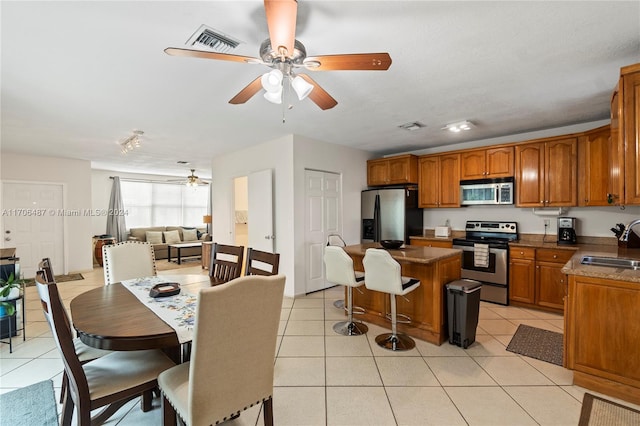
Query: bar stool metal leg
{"x": 349, "y": 327}
{"x": 394, "y": 341}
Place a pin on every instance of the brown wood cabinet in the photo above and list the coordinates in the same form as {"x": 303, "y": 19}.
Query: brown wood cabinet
{"x": 629, "y": 86}
{"x": 594, "y": 152}
{"x": 486, "y": 163}
{"x": 536, "y": 278}
{"x": 206, "y": 253}
{"x": 439, "y": 180}
{"x": 431, "y": 243}
{"x": 602, "y": 334}
{"x": 546, "y": 173}
{"x": 402, "y": 169}
{"x": 616, "y": 156}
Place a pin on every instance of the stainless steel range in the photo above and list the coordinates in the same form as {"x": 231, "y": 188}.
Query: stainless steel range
{"x": 485, "y": 257}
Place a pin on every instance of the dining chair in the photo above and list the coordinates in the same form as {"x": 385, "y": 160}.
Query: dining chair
{"x": 109, "y": 381}
{"x": 84, "y": 352}
{"x": 261, "y": 262}
{"x": 336, "y": 240}
{"x": 128, "y": 260}
{"x": 226, "y": 263}
{"x": 232, "y": 362}
{"x": 384, "y": 274}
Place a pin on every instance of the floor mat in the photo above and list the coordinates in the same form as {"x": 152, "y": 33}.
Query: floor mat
{"x": 601, "y": 412}
{"x": 537, "y": 343}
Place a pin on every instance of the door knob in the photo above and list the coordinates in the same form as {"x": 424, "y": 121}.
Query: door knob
{"x": 7, "y": 238}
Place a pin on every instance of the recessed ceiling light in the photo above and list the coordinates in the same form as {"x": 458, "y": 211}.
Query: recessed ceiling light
{"x": 414, "y": 125}
{"x": 459, "y": 126}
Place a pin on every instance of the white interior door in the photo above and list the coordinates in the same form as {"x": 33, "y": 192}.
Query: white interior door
{"x": 33, "y": 224}
{"x": 323, "y": 199}
{"x": 260, "y": 208}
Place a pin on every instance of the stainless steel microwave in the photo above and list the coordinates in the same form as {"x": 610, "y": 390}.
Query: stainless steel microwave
{"x": 486, "y": 191}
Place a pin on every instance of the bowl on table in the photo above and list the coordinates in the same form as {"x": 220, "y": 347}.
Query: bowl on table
{"x": 391, "y": 244}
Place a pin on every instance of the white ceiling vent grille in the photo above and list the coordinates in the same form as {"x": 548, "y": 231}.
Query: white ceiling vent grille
{"x": 213, "y": 39}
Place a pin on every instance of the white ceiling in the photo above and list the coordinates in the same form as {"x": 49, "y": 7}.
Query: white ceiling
{"x": 79, "y": 76}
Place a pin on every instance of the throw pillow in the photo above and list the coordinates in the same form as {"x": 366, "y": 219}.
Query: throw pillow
{"x": 171, "y": 237}
{"x": 189, "y": 234}
{"x": 154, "y": 237}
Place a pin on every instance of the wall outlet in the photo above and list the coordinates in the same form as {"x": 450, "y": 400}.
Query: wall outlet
{"x": 547, "y": 222}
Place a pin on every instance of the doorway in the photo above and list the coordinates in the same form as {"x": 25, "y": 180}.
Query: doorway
{"x": 323, "y": 216}
{"x": 241, "y": 210}
{"x": 253, "y": 211}
{"x": 33, "y": 223}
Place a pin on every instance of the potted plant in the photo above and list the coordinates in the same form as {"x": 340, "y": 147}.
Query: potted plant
{"x": 9, "y": 289}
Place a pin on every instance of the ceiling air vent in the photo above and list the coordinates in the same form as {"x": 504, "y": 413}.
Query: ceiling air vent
{"x": 212, "y": 39}
{"x": 414, "y": 125}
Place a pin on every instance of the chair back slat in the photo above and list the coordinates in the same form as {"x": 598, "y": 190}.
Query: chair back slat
{"x": 262, "y": 262}
{"x": 226, "y": 262}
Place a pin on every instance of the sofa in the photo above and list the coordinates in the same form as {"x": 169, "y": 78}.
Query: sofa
{"x": 159, "y": 235}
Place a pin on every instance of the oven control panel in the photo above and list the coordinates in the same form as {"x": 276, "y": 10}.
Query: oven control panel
{"x": 493, "y": 227}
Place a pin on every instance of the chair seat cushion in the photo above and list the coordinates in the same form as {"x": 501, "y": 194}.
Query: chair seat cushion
{"x": 87, "y": 353}
{"x": 174, "y": 383}
{"x": 409, "y": 284}
{"x": 121, "y": 370}
{"x": 359, "y": 277}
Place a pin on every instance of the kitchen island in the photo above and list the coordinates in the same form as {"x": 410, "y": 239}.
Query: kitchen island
{"x": 602, "y": 325}
{"x": 434, "y": 267}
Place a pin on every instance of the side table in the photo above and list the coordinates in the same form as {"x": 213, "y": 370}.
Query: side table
{"x": 102, "y": 241}
{"x": 11, "y": 330}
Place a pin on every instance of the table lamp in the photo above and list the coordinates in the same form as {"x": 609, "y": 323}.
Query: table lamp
{"x": 206, "y": 219}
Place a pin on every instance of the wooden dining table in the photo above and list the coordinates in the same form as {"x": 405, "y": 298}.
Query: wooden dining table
{"x": 111, "y": 317}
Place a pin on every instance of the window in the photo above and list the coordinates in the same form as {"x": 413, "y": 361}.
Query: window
{"x": 163, "y": 204}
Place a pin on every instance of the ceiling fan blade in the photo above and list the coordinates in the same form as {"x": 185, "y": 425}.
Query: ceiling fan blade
{"x": 318, "y": 95}
{"x": 176, "y": 51}
{"x": 355, "y": 61}
{"x": 245, "y": 94}
{"x": 281, "y": 20}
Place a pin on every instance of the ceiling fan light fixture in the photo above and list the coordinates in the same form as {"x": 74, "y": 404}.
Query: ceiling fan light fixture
{"x": 301, "y": 87}
{"x": 274, "y": 97}
{"x": 132, "y": 142}
{"x": 272, "y": 81}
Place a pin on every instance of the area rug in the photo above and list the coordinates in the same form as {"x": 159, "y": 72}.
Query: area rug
{"x": 601, "y": 412}
{"x": 59, "y": 279}
{"x": 163, "y": 265}
{"x": 537, "y": 343}
{"x": 32, "y": 405}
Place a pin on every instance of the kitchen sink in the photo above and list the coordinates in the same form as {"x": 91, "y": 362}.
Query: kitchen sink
{"x": 612, "y": 262}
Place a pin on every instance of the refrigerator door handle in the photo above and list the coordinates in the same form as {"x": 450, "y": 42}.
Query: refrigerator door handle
{"x": 376, "y": 219}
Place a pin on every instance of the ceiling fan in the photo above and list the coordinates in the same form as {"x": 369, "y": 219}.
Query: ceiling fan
{"x": 282, "y": 52}
{"x": 191, "y": 180}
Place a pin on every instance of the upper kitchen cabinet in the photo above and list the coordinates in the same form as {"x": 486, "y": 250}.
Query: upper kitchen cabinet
{"x": 546, "y": 173}
{"x": 486, "y": 163}
{"x": 629, "y": 121}
{"x": 439, "y": 184}
{"x": 594, "y": 157}
{"x": 401, "y": 169}
{"x": 615, "y": 194}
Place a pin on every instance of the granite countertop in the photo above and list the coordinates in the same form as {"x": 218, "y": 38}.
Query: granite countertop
{"x": 574, "y": 267}
{"x": 416, "y": 254}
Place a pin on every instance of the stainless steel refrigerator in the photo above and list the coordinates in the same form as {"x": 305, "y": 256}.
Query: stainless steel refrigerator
{"x": 390, "y": 214}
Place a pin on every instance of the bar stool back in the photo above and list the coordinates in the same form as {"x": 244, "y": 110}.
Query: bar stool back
{"x": 382, "y": 273}
{"x": 339, "y": 270}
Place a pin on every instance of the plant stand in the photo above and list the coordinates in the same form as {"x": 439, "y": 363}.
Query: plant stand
{"x": 11, "y": 330}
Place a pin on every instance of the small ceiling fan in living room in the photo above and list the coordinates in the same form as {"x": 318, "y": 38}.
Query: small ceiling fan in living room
{"x": 284, "y": 54}
{"x": 191, "y": 180}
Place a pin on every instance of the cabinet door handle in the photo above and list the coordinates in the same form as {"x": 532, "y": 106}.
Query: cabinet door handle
{"x": 537, "y": 267}
{"x": 555, "y": 256}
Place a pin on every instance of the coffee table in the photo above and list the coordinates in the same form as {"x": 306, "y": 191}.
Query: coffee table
{"x": 179, "y": 248}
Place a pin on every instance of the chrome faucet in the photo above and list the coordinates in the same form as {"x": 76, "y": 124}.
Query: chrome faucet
{"x": 625, "y": 235}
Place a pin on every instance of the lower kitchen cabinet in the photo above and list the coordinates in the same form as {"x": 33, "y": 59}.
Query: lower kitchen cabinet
{"x": 536, "y": 278}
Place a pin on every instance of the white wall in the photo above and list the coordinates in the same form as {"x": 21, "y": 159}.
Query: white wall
{"x": 351, "y": 164}
{"x": 278, "y": 156}
{"x": 75, "y": 176}
{"x": 288, "y": 157}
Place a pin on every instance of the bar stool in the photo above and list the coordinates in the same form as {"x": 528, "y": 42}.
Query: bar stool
{"x": 382, "y": 273}
{"x": 339, "y": 270}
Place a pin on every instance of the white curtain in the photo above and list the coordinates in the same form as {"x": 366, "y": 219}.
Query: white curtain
{"x": 116, "y": 225}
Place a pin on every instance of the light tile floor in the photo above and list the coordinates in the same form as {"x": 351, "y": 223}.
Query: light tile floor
{"x": 322, "y": 378}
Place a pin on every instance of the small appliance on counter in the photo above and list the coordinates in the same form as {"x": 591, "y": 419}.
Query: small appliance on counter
{"x": 567, "y": 230}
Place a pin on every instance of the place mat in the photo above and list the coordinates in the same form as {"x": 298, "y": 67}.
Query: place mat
{"x": 33, "y": 405}
{"x": 537, "y": 343}
{"x": 59, "y": 279}
{"x": 601, "y": 412}
{"x": 177, "y": 311}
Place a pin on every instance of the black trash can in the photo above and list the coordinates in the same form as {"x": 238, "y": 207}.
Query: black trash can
{"x": 9, "y": 265}
{"x": 463, "y": 308}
